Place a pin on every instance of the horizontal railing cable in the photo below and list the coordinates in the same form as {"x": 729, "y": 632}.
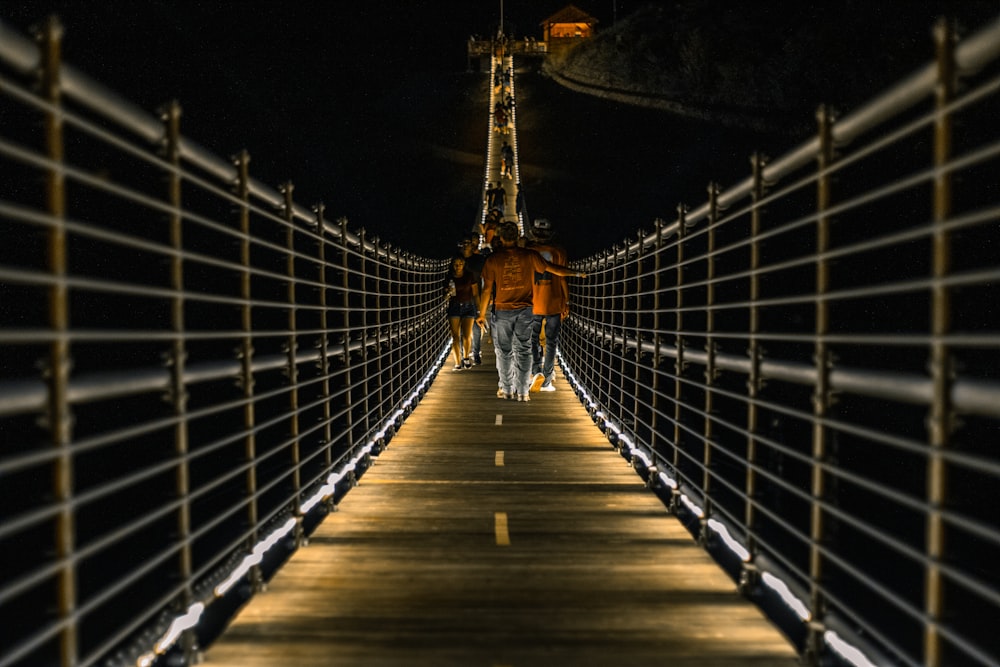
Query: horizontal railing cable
{"x": 200, "y": 414}
{"x": 776, "y": 369}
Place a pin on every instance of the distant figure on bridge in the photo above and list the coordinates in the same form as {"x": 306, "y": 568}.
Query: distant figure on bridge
{"x": 490, "y": 225}
{"x": 510, "y": 271}
{"x": 550, "y": 306}
{"x": 463, "y": 293}
{"x": 500, "y": 120}
{"x": 495, "y": 196}
{"x": 507, "y": 160}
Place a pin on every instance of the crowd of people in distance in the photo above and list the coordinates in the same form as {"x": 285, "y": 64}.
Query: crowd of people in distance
{"x": 506, "y": 286}
{"x": 504, "y": 106}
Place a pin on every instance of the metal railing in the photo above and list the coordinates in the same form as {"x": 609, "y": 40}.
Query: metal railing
{"x": 194, "y": 369}
{"x": 807, "y": 366}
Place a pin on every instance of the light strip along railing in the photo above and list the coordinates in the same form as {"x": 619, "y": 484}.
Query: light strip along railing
{"x": 520, "y": 211}
{"x": 489, "y": 165}
{"x": 194, "y": 370}
{"x": 808, "y": 368}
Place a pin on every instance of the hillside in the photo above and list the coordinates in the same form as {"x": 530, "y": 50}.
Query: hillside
{"x": 761, "y": 64}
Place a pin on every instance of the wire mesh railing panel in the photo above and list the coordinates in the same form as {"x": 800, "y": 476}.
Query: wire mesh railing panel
{"x": 806, "y": 367}
{"x": 195, "y": 368}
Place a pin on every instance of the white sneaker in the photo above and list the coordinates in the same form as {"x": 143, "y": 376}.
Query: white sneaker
{"x": 548, "y": 387}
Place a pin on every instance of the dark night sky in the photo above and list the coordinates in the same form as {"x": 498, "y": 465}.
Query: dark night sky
{"x": 303, "y": 86}
{"x": 366, "y": 106}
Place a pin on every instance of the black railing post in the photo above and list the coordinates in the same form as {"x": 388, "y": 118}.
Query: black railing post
{"x": 410, "y": 313}
{"x": 398, "y": 295}
{"x": 941, "y": 420}
{"x": 640, "y": 274}
{"x": 614, "y": 304}
{"x": 389, "y": 301}
{"x": 678, "y": 333}
{"x": 822, "y": 398}
{"x": 245, "y": 354}
{"x": 58, "y": 418}
{"x": 365, "y": 295}
{"x": 345, "y": 284}
{"x": 324, "y": 338}
{"x": 654, "y": 426}
{"x": 708, "y": 432}
{"x": 292, "y": 345}
{"x": 626, "y": 296}
{"x": 176, "y": 360}
{"x": 755, "y": 352}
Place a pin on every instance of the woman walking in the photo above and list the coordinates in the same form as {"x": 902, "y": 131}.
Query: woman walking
{"x": 463, "y": 292}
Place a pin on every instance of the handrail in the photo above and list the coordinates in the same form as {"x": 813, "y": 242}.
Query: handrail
{"x": 805, "y": 367}
{"x": 203, "y": 366}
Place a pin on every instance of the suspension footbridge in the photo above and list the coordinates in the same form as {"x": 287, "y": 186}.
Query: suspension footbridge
{"x": 773, "y": 436}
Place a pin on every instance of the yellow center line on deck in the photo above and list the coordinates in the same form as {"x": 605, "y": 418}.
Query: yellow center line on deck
{"x": 481, "y": 482}
{"x": 498, "y": 458}
{"x": 498, "y": 421}
{"x": 500, "y": 529}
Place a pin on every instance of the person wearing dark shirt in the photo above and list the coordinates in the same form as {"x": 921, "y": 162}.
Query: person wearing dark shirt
{"x": 462, "y": 292}
{"x": 507, "y": 156}
{"x": 474, "y": 264}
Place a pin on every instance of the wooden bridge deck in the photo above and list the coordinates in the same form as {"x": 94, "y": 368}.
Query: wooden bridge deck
{"x": 500, "y": 534}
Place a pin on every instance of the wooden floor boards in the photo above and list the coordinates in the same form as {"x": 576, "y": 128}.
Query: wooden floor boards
{"x": 500, "y": 534}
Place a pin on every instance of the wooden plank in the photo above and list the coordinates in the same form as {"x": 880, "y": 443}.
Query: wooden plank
{"x": 499, "y": 533}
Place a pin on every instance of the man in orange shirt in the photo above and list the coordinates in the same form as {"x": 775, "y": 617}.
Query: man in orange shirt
{"x": 550, "y": 306}
{"x": 509, "y": 275}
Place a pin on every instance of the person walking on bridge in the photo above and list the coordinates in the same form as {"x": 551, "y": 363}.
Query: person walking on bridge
{"x": 507, "y": 160}
{"x": 462, "y": 293}
{"x": 550, "y": 306}
{"x": 495, "y": 195}
{"x": 510, "y": 273}
{"x": 474, "y": 264}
